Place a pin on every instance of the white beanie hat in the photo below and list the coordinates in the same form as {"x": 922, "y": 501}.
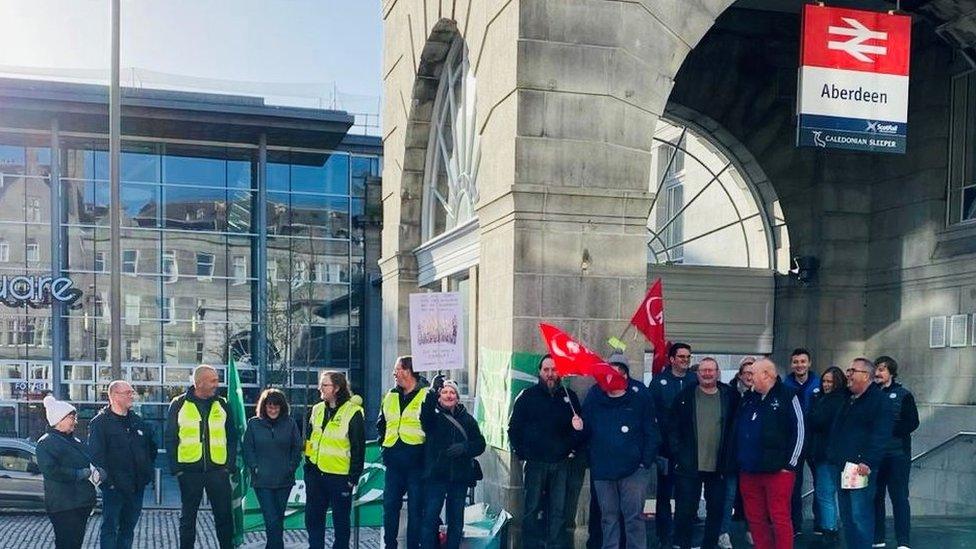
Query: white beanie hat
{"x": 56, "y": 410}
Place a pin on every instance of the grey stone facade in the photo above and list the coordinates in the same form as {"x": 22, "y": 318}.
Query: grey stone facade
{"x": 569, "y": 92}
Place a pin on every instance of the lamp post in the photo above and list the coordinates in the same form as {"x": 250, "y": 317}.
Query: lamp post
{"x": 115, "y": 157}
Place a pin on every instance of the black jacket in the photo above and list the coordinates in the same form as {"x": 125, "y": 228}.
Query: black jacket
{"x": 664, "y": 388}
{"x": 771, "y": 428}
{"x": 824, "y": 408}
{"x": 125, "y": 446}
{"x": 171, "y": 437}
{"x": 441, "y": 434}
{"x": 400, "y": 453}
{"x": 65, "y": 464}
{"x": 683, "y": 436}
{"x": 541, "y": 425}
{"x": 904, "y": 414}
{"x": 272, "y": 451}
{"x": 861, "y": 430}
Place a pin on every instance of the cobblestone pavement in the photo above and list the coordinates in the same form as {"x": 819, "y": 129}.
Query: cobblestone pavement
{"x": 156, "y": 530}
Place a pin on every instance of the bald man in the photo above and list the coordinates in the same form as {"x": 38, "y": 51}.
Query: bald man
{"x": 769, "y": 442}
{"x": 124, "y": 445}
{"x": 201, "y": 443}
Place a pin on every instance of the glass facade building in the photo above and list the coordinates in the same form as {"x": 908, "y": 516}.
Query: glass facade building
{"x": 243, "y": 240}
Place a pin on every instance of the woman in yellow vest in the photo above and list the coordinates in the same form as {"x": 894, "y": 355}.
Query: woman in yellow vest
{"x": 335, "y": 452}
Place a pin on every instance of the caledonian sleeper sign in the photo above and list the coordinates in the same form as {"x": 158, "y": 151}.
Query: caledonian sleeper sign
{"x": 853, "y": 81}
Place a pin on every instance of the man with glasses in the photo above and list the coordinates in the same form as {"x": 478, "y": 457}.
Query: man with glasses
{"x": 858, "y": 437}
{"x": 123, "y": 444}
{"x": 664, "y": 388}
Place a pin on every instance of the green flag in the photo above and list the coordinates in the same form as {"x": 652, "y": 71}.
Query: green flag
{"x": 239, "y": 478}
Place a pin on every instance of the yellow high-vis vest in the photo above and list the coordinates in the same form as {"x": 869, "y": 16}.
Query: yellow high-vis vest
{"x": 329, "y": 448}
{"x": 403, "y": 425}
{"x": 190, "y": 422}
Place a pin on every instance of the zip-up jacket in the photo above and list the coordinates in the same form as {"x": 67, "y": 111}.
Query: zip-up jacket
{"x": 441, "y": 435}
{"x": 64, "y": 462}
{"x": 621, "y": 433}
{"x": 684, "y": 435}
{"x": 272, "y": 451}
{"x": 541, "y": 426}
{"x": 904, "y": 414}
{"x": 861, "y": 430}
{"x": 804, "y": 391}
{"x": 664, "y": 388}
{"x": 125, "y": 447}
{"x": 769, "y": 431}
{"x": 171, "y": 439}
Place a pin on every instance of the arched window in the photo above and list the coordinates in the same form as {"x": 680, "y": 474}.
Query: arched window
{"x": 706, "y": 209}
{"x": 450, "y": 186}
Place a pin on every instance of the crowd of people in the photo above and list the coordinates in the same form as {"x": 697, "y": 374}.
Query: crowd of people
{"x": 745, "y": 445}
{"x": 742, "y": 447}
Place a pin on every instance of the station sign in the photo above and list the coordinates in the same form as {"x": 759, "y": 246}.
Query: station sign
{"x": 37, "y": 291}
{"x": 853, "y": 80}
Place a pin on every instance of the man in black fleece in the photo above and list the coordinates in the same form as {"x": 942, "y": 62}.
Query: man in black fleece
{"x": 858, "y": 436}
{"x": 544, "y": 432}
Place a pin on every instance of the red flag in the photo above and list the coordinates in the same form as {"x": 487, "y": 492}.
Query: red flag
{"x": 649, "y": 319}
{"x": 573, "y": 359}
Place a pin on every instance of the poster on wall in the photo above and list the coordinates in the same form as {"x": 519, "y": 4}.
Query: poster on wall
{"x": 853, "y": 80}
{"x": 436, "y": 337}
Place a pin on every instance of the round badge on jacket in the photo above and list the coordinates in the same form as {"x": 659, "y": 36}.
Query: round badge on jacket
{"x": 664, "y": 382}
{"x": 624, "y": 429}
{"x": 893, "y": 395}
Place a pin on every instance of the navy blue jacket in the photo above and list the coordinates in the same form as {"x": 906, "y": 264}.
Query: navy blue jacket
{"x": 125, "y": 447}
{"x": 272, "y": 451}
{"x": 621, "y": 432}
{"x": 769, "y": 431}
{"x": 664, "y": 388}
{"x": 861, "y": 430}
{"x": 904, "y": 414}
{"x": 804, "y": 390}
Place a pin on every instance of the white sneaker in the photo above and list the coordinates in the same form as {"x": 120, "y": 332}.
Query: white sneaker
{"x": 749, "y": 538}
{"x": 724, "y": 542}
{"x": 878, "y": 545}
{"x": 904, "y": 547}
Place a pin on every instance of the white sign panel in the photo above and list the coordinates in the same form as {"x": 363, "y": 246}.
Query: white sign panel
{"x": 436, "y": 337}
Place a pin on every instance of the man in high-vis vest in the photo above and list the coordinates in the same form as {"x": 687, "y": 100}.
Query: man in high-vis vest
{"x": 402, "y": 439}
{"x": 201, "y": 443}
{"x": 335, "y": 454}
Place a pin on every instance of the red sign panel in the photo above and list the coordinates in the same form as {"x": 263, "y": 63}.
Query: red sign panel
{"x": 856, "y": 40}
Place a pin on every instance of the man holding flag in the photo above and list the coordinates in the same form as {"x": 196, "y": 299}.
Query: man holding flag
{"x": 201, "y": 443}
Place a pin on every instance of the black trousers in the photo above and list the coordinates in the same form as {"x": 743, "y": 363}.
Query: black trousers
{"x": 322, "y": 492}
{"x": 687, "y": 492}
{"x": 69, "y": 527}
{"x": 796, "y": 501}
{"x": 216, "y": 482}
{"x": 893, "y": 479}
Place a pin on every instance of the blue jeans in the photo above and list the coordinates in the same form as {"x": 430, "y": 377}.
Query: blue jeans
{"x": 825, "y": 492}
{"x": 120, "y": 513}
{"x": 437, "y": 493}
{"x": 273, "y": 503}
{"x": 731, "y": 489}
{"x": 623, "y": 499}
{"x": 857, "y": 513}
{"x": 402, "y": 481}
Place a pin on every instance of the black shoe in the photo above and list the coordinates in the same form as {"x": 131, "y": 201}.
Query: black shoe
{"x": 831, "y": 537}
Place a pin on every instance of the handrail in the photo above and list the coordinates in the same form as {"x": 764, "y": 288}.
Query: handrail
{"x": 939, "y": 446}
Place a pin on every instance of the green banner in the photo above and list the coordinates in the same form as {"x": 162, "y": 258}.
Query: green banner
{"x": 501, "y": 377}
{"x": 239, "y": 480}
{"x": 367, "y": 507}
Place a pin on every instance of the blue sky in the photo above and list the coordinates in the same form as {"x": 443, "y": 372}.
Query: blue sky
{"x": 275, "y": 47}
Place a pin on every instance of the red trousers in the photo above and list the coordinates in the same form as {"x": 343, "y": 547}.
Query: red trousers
{"x": 766, "y": 498}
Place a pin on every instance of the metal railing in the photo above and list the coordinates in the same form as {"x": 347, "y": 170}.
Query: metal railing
{"x": 927, "y": 452}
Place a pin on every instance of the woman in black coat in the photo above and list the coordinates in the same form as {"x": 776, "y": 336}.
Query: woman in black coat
{"x": 453, "y": 440}
{"x": 272, "y": 452}
{"x": 69, "y": 478}
{"x": 824, "y": 407}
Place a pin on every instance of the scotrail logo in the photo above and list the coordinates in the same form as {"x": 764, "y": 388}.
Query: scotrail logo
{"x": 878, "y": 127}
{"x": 818, "y": 139}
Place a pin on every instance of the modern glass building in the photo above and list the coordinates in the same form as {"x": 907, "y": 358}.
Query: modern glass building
{"x": 244, "y": 233}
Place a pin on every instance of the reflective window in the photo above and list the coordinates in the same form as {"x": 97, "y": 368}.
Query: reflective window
{"x": 130, "y": 261}
{"x": 205, "y": 265}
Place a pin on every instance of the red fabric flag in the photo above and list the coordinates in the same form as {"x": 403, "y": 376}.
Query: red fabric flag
{"x": 649, "y": 319}
{"x": 573, "y": 359}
